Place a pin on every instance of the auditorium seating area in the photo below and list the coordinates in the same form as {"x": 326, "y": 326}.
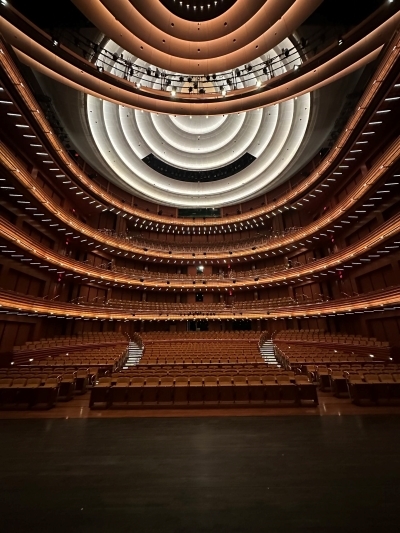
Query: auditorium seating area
{"x": 89, "y": 348}
{"x": 378, "y": 385}
{"x": 110, "y": 358}
{"x": 290, "y": 355}
{"x": 204, "y": 347}
{"x": 78, "y": 340}
{"x": 203, "y": 368}
{"x": 192, "y": 369}
{"x": 359, "y": 377}
{"x": 317, "y": 335}
{"x": 34, "y": 387}
{"x": 352, "y": 345}
{"x": 57, "y": 378}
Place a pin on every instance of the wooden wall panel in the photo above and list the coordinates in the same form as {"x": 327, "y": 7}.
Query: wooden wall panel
{"x": 375, "y": 280}
{"x": 24, "y": 283}
{"x": 14, "y": 334}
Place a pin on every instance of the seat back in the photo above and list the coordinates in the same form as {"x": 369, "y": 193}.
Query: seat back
{"x": 371, "y": 378}
{"x": 19, "y": 382}
{"x": 123, "y": 380}
{"x": 283, "y": 378}
{"x": 181, "y": 380}
{"x": 300, "y": 379}
{"x": 52, "y": 381}
{"x": 33, "y": 382}
{"x": 167, "y": 381}
{"x": 268, "y": 378}
{"x": 104, "y": 381}
{"x": 152, "y": 380}
{"x": 137, "y": 380}
{"x": 386, "y": 378}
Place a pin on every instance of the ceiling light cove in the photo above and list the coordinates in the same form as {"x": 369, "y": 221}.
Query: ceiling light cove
{"x": 145, "y": 150}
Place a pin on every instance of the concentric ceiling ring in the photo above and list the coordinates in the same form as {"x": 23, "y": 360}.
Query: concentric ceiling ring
{"x": 124, "y": 137}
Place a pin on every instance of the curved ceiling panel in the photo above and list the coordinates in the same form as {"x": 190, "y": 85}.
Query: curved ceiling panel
{"x": 49, "y": 64}
{"x": 198, "y": 11}
{"x": 249, "y": 30}
{"x": 124, "y": 138}
{"x": 137, "y": 35}
{"x": 161, "y": 18}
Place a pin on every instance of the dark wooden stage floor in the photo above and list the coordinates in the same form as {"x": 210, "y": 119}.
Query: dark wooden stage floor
{"x": 195, "y": 474}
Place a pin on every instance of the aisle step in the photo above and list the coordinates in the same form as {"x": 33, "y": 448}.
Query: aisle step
{"x": 267, "y": 351}
{"x": 134, "y": 355}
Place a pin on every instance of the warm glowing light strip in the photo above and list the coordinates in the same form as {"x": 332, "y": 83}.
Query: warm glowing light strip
{"x": 385, "y": 162}
{"x": 17, "y": 302}
{"x": 11, "y": 233}
{"x": 330, "y": 161}
{"x": 122, "y": 22}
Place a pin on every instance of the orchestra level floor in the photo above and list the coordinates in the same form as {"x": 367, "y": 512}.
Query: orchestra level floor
{"x": 195, "y": 474}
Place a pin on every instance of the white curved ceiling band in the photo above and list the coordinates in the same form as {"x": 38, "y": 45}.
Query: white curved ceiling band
{"x": 272, "y": 135}
{"x": 280, "y": 131}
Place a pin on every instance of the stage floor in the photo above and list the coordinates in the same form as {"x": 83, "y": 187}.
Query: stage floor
{"x": 200, "y": 474}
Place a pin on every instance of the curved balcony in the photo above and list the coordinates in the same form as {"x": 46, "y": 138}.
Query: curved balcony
{"x": 200, "y": 309}
{"x": 36, "y": 49}
{"x": 233, "y": 274}
{"x": 265, "y": 238}
{"x": 208, "y": 47}
{"x": 373, "y": 241}
{"x": 386, "y": 67}
{"x": 14, "y": 303}
{"x": 327, "y": 222}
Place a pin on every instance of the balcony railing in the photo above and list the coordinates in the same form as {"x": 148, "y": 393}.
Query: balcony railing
{"x": 244, "y": 244}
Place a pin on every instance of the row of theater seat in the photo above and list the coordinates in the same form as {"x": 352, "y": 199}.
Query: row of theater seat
{"x": 95, "y": 338}
{"x": 373, "y": 387}
{"x": 34, "y": 389}
{"x": 322, "y": 372}
{"x": 207, "y": 390}
{"x": 322, "y": 336}
{"x": 198, "y": 336}
{"x": 188, "y": 370}
{"x": 338, "y": 379}
{"x": 109, "y": 357}
{"x": 290, "y": 355}
{"x": 173, "y": 360}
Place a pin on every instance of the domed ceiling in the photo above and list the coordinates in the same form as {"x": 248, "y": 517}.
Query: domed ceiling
{"x": 198, "y": 160}
{"x": 268, "y": 139}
